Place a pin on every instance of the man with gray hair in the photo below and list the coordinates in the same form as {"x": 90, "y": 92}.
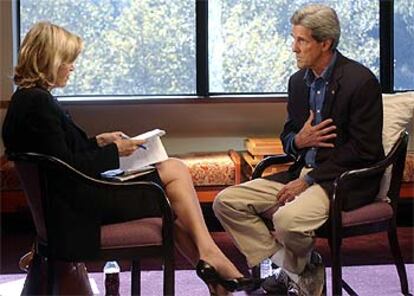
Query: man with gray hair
{"x": 334, "y": 124}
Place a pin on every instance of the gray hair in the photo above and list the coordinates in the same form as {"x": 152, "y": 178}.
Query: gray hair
{"x": 321, "y": 20}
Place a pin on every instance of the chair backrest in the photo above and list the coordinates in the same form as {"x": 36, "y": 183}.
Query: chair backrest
{"x": 377, "y": 212}
{"x": 397, "y": 156}
{"x": 30, "y": 177}
{"x": 393, "y": 165}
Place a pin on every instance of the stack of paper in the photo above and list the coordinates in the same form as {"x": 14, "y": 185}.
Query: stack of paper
{"x": 140, "y": 162}
{"x": 153, "y": 152}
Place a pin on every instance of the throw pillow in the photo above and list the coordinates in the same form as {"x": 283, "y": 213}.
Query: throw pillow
{"x": 398, "y": 114}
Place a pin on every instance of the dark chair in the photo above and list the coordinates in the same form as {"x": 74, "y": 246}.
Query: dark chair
{"x": 378, "y": 216}
{"x": 132, "y": 240}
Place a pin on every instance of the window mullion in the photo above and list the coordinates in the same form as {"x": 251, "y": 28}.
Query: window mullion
{"x": 202, "y": 47}
{"x": 387, "y": 45}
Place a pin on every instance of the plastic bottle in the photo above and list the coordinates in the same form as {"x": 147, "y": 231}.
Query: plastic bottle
{"x": 266, "y": 269}
{"x": 111, "y": 271}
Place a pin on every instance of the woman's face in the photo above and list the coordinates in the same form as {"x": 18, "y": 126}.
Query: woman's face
{"x": 63, "y": 74}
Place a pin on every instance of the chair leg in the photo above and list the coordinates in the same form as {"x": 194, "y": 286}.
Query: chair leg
{"x": 396, "y": 253}
{"x": 136, "y": 278}
{"x": 169, "y": 276}
{"x": 256, "y": 272}
{"x": 50, "y": 276}
{"x": 335, "y": 246}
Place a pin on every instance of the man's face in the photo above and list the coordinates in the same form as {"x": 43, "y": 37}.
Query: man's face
{"x": 308, "y": 51}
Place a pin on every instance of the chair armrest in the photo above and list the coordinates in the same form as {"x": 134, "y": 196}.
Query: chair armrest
{"x": 50, "y": 162}
{"x": 269, "y": 161}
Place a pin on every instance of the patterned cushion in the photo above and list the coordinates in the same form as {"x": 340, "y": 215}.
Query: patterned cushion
{"x": 210, "y": 169}
{"x": 206, "y": 169}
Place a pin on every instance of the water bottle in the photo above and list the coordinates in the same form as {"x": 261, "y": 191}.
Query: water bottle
{"x": 266, "y": 269}
{"x": 111, "y": 272}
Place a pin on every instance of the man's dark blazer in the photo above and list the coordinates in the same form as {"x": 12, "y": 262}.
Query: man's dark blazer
{"x": 35, "y": 122}
{"x": 353, "y": 100}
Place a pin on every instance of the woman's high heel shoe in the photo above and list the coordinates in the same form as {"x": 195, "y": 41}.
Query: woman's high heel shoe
{"x": 210, "y": 276}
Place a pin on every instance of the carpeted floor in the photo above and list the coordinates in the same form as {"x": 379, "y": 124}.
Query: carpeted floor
{"x": 367, "y": 260}
{"x": 378, "y": 280}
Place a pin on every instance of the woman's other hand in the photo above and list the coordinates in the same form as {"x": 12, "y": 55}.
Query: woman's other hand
{"x": 108, "y": 138}
{"x": 127, "y": 147}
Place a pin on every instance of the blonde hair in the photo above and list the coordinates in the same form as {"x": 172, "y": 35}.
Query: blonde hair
{"x": 44, "y": 49}
{"x": 322, "y": 20}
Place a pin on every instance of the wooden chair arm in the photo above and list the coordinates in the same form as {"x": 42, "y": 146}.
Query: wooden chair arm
{"x": 269, "y": 161}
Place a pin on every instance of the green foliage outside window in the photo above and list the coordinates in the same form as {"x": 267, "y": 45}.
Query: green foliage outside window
{"x": 147, "y": 47}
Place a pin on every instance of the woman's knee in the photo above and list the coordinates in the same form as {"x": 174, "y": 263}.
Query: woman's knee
{"x": 171, "y": 168}
{"x": 173, "y": 164}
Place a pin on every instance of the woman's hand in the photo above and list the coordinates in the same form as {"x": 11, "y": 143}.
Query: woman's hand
{"x": 108, "y": 138}
{"x": 127, "y": 147}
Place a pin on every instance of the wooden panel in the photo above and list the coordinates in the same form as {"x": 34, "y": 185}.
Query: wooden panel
{"x": 206, "y": 194}
{"x": 407, "y": 191}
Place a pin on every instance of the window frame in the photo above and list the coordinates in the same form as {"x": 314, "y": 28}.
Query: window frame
{"x": 203, "y": 94}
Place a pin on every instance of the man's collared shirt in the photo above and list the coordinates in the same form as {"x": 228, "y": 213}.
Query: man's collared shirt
{"x": 317, "y": 90}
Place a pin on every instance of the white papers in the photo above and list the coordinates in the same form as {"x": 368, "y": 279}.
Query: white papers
{"x": 150, "y": 134}
{"x": 154, "y": 152}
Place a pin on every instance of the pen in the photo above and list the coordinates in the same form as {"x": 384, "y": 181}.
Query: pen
{"x": 123, "y": 136}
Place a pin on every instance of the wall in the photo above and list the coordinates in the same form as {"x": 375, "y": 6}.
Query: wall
{"x": 6, "y": 57}
{"x": 189, "y": 126}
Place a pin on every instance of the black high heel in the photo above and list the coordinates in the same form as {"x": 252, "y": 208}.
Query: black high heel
{"x": 210, "y": 276}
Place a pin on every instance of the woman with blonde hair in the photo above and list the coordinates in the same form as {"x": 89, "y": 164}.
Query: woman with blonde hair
{"x": 36, "y": 122}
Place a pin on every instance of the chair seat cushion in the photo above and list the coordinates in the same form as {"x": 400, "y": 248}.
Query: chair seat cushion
{"x": 374, "y": 212}
{"x": 140, "y": 232}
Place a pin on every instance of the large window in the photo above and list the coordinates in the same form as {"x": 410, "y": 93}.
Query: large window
{"x": 144, "y": 47}
{"x": 150, "y": 47}
{"x": 403, "y": 45}
{"x": 250, "y": 43}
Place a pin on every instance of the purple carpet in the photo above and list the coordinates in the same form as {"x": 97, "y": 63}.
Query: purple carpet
{"x": 367, "y": 280}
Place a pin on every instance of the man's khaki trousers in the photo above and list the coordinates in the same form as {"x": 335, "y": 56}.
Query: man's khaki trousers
{"x": 238, "y": 208}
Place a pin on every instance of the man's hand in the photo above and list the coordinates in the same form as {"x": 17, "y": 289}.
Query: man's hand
{"x": 291, "y": 190}
{"x": 127, "y": 147}
{"x": 317, "y": 135}
{"x": 108, "y": 138}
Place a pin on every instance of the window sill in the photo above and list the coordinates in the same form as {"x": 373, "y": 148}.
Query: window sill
{"x": 121, "y": 100}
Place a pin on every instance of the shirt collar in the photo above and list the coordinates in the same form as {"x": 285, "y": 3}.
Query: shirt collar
{"x": 326, "y": 74}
